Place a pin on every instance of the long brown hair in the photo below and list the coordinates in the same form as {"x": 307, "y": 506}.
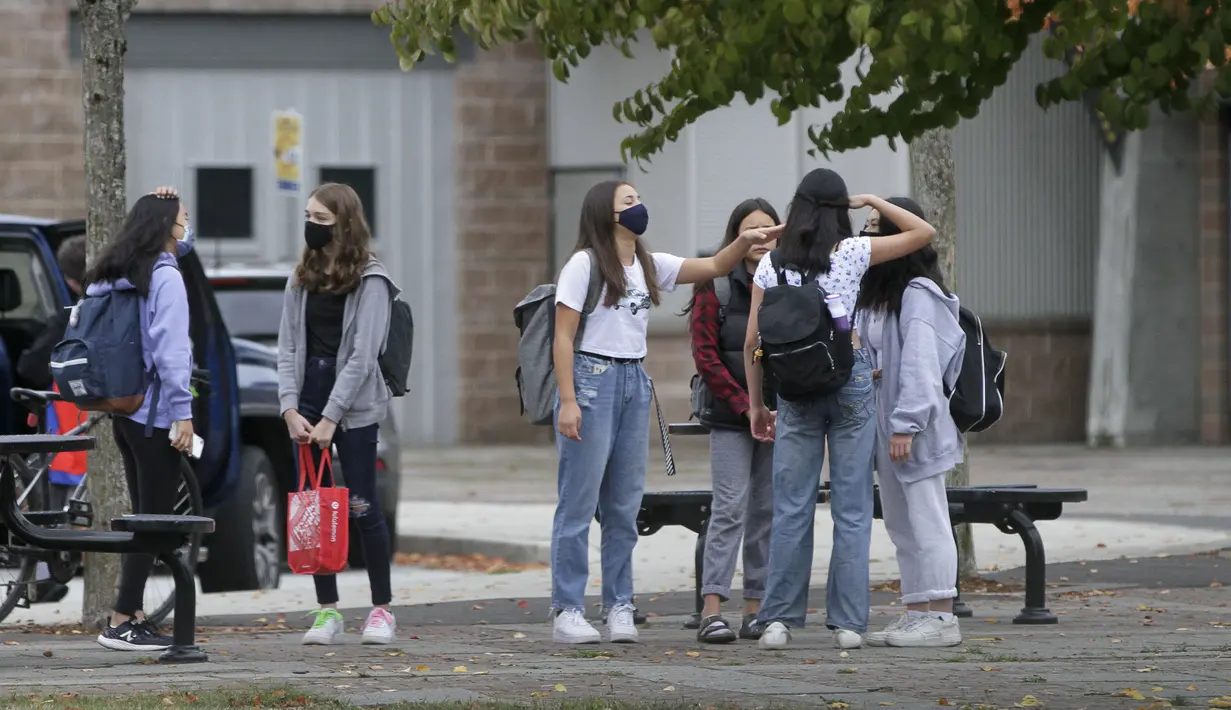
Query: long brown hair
{"x": 738, "y": 215}
{"x": 351, "y": 243}
{"x": 597, "y": 232}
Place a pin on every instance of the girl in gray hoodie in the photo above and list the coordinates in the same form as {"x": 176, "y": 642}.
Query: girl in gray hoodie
{"x": 908, "y": 321}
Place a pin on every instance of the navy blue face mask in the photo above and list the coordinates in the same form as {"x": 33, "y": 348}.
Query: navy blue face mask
{"x": 635, "y": 219}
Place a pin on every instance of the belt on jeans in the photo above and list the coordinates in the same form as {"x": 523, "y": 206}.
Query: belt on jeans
{"x": 616, "y": 360}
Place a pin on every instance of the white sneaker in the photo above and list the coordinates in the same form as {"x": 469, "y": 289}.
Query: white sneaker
{"x": 326, "y": 628}
{"x": 926, "y": 631}
{"x": 620, "y": 624}
{"x": 570, "y": 626}
{"x": 380, "y": 628}
{"x": 846, "y": 639}
{"x": 776, "y": 635}
{"x": 879, "y": 638}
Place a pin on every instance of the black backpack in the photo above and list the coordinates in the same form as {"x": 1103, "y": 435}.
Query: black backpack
{"x": 977, "y": 399}
{"x": 395, "y": 360}
{"x": 799, "y": 345}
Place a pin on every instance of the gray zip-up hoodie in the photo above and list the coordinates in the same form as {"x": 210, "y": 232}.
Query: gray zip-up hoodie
{"x": 920, "y": 354}
{"x": 360, "y": 397}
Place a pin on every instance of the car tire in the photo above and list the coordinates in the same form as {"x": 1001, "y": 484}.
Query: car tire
{"x": 246, "y": 552}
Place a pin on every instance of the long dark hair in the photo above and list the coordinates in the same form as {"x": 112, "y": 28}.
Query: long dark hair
{"x": 883, "y": 284}
{"x": 738, "y": 215}
{"x": 352, "y": 240}
{"x": 817, "y": 219}
{"x": 597, "y": 232}
{"x": 134, "y": 249}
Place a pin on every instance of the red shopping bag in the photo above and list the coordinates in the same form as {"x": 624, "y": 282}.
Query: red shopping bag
{"x": 317, "y": 520}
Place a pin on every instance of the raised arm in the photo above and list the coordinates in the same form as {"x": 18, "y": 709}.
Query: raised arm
{"x": 916, "y": 233}
{"x": 720, "y": 264}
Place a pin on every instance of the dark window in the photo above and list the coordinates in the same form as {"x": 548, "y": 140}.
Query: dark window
{"x": 363, "y": 182}
{"x": 224, "y": 203}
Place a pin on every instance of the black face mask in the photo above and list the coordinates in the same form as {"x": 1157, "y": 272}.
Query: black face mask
{"x": 317, "y": 235}
{"x": 866, "y": 233}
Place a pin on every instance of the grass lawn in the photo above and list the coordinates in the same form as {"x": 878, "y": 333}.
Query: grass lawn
{"x": 290, "y": 698}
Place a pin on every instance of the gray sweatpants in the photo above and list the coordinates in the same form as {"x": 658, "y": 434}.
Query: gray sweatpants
{"x": 742, "y": 469}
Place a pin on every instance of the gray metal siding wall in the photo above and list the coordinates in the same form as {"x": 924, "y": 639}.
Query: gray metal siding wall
{"x": 1028, "y": 187}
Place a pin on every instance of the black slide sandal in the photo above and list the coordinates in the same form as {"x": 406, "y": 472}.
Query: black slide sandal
{"x": 714, "y": 629}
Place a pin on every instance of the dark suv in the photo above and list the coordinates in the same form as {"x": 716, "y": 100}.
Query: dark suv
{"x": 246, "y": 468}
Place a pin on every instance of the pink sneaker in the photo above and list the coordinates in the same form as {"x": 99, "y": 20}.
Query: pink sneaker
{"x": 380, "y": 627}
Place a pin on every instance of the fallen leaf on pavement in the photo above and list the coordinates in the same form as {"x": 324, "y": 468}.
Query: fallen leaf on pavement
{"x": 519, "y": 635}
{"x": 560, "y": 688}
{"x": 669, "y": 652}
{"x": 693, "y": 654}
{"x": 459, "y": 669}
{"x": 331, "y": 653}
{"x": 838, "y": 705}
{"x": 1147, "y": 669}
{"x": 523, "y": 603}
{"x": 395, "y": 654}
{"x": 422, "y": 668}
{"x": 943, "y": 701}
{"x": 341, "y": 687}
{"x": 1028, "y": 702}
{"x": 1191, "y": 687}
{"x": 809, "y": 661}
{"x": 885, "y": 704}
{"x": 990, "y": 668}
{"x": 988, "y": 638}
{"x": 1132, "y": 693}
{"x": 848, "y": 670}
{"x": 539, "y": 694}
{"x": 376, "y": 668}
{"x": 844, "y": 654}
{"x": 1223, "y": 702}
{"x": 669, "y": 689}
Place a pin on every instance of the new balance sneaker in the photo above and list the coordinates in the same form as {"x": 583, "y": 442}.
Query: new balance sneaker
{"x": 570, "y": 626}
{"x": 326, "y": 628}
{"x": 621, "y": 626}
{"x": 133, "y": 635}
{"x": 846, "y": 639}
{"x": 774, "y": 636}
{"x": 380, "y": 628}
{"x": 880, "y": 638}
{"x": 927, "y": 631}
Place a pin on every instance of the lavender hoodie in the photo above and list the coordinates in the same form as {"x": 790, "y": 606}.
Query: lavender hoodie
{"x": 165, "y": 339}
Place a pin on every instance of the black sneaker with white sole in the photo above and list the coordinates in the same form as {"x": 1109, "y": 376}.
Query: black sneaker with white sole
{"x": 134, "y": 635}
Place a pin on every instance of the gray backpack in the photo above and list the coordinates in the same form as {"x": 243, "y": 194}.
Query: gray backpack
{"x": 535, "y": 317}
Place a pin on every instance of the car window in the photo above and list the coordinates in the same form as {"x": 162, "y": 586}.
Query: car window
{"x": 251, "y": 314}
{"x": 19, "y": 256}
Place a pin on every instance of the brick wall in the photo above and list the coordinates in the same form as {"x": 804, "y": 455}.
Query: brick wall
{"x": 503, "y": 213}
{"x": 1212, "y": 274}
{"x": 41, "y": 153}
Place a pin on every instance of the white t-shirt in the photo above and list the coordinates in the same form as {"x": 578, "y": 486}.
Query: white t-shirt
{"x": 617, "y": 331}
{"x": 847, "y": 265}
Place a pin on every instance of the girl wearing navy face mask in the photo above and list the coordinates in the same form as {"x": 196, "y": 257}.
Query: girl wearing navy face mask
{"x": 335, "y": 319}
{"x": 604, "y": 407}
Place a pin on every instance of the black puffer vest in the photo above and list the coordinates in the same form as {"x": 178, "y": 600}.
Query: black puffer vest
{"x": 732, "y": 330}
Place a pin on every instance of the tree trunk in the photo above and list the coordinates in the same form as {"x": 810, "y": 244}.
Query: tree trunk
{"x": 102, "y": 53}
{"x": 934, "y": 184}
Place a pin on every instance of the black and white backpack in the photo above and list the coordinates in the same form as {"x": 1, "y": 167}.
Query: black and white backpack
{"x": 799, "y": 344}
{"x": 977, "y": 399}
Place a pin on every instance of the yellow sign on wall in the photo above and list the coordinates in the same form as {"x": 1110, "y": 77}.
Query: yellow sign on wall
{"x": 288, "y": 150}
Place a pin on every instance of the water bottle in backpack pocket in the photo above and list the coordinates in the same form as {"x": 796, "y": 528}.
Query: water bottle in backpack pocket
{"x": 99, "y": 366}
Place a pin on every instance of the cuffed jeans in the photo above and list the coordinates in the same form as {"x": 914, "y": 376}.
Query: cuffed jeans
{"x": 603, "y": 471}
{"x": 742, "y": 469}
{"x": 847, "y": 420}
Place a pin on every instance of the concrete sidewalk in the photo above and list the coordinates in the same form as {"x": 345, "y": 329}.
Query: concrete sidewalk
{"x": 500, "y": 501}
{"x": 1116, "y": 647}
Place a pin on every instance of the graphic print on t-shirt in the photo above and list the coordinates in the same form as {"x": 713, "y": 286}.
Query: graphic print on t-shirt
{"x": 634, "y": 300}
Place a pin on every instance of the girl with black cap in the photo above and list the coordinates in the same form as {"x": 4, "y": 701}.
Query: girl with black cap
{"x": 908, "y": 321}
{"x": 817, "y": 238}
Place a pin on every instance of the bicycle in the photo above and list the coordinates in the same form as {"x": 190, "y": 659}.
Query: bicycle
{"x": 49, "y": 505}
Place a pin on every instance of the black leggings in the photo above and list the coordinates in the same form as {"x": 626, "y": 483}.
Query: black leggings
{"x": 152, "y": 469}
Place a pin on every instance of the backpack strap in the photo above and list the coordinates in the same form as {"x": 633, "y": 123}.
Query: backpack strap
{"x": 594, "y": 290}
{"x": 722, "y": 289}
{"x": 776, "y": 262}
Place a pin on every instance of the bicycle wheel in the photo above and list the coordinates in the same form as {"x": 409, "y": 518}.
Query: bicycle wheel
{"x": 18, "y": 562}
{"x": 160, "y": 587}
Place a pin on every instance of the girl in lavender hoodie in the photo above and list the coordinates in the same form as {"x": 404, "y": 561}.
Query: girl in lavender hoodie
{"x": 142, "y": 256}
{"x": 908, "y": 320}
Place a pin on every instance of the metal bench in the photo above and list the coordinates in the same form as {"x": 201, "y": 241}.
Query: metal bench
{"x": 158, "y": 535}
{"x": 1012, "y": 509}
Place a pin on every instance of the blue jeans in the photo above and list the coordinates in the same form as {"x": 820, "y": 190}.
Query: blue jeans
{"x": 603, "y": 471}
{"x": 848, "y": 420}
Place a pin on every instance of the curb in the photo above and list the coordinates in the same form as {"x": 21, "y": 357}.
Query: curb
{"x": 513, "y": 552}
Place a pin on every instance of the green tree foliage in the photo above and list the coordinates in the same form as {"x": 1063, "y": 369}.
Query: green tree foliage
{"x": 923, "y": 63}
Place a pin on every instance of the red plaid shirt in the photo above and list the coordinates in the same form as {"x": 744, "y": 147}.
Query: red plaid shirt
{"x": 703, "y": 325}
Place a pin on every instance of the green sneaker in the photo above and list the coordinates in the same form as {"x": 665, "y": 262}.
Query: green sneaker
{"x": 326, "y": 628}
